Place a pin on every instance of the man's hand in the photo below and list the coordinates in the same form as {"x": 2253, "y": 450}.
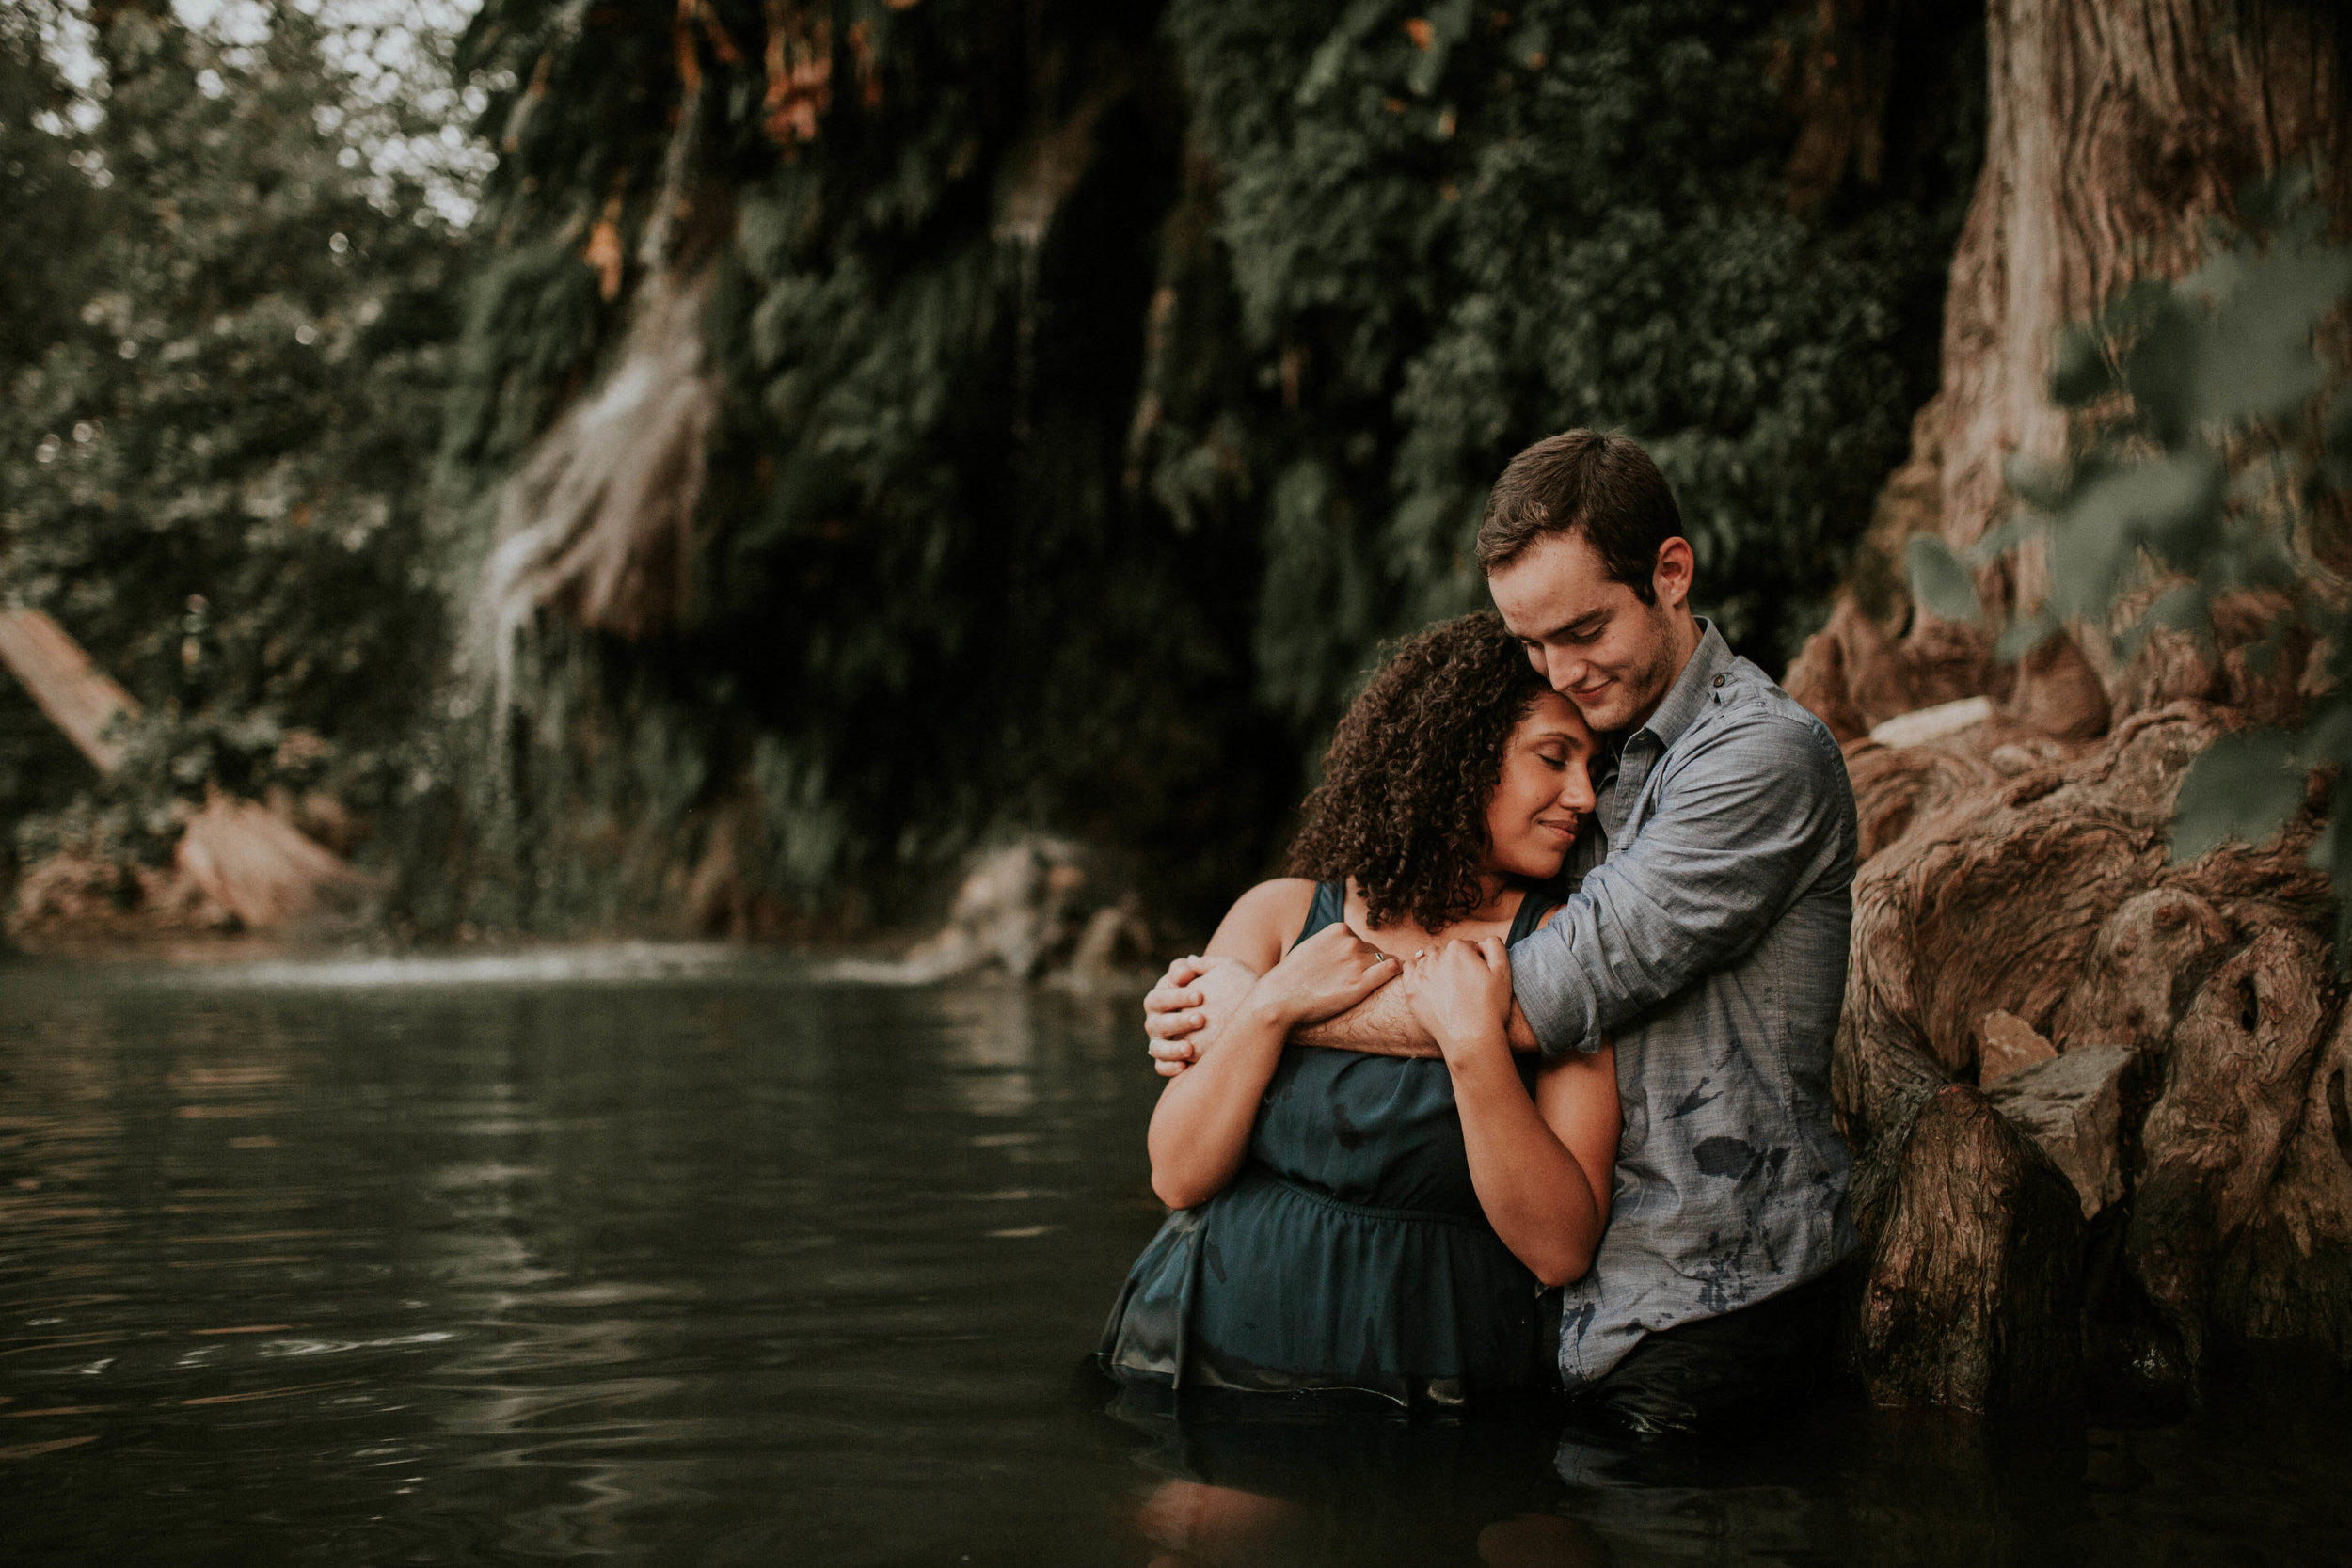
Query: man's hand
{"x": 1193, "y": 1001}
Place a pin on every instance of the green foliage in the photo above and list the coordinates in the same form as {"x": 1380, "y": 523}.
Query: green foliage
{"x": 212, "y": 459}
{"x": 1940, "y": 580}
{"x": 50, "y": 221}
{"x": 1103, "y": 384}
{"x": 2213, "y": 465}
{"x": 1453, "y": 232}
{"x": 928, "y": 604}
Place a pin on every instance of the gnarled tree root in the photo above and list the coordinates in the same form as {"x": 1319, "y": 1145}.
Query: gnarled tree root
{"x": 2012, "y": 872}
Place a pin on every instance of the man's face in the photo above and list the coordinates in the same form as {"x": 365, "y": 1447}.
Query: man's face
{"x": 1595, "y": 640}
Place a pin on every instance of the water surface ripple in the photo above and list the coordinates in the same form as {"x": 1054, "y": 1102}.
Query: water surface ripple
{"x": 711, "y": 1263}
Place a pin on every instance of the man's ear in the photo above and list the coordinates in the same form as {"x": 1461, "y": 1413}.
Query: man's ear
{"x": 1670, "y": 578}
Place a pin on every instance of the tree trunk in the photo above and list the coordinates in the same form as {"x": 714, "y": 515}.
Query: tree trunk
{"x": 2018, "y": 866}
{"x": 2115, "y": 129}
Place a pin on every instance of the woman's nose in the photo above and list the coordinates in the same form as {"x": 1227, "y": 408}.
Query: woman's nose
{"x": 1576, "y": 790}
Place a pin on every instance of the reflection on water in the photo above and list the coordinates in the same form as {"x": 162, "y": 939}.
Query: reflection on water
{"x": 711, "y": 1263}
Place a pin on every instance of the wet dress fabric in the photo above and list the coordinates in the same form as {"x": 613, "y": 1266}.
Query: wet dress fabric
{"x": 1349, "y": 1253}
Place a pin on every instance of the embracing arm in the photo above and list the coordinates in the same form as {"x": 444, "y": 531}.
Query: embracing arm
{"x": 1200, "y": 1128}
{"x": 1543, "y": 1166}
{"x": 1383, "y": 1024}
{"x": 1743, "y": 827}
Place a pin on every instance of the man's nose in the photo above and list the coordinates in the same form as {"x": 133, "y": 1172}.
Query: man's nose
{"x": 1564, "y": 669}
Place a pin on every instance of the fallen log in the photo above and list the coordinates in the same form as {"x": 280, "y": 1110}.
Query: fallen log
{"x": 264, "y": 870}
{"x": 246, "y": 858}
{"x": 65, "y": 684}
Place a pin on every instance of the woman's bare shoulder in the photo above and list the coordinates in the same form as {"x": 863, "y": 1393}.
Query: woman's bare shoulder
{"x": 1265, "y": 917}
{"x": 1284, "y": 898}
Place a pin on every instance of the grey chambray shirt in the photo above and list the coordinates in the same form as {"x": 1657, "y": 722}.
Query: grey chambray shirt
{"x": 1707, "y": 933}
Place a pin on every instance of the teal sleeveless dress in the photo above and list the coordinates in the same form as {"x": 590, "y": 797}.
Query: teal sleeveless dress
{"x": 1350, "y": 1252}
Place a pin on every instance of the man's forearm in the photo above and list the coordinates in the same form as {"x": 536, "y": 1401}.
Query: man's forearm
{"x": 1383, "y": 1024}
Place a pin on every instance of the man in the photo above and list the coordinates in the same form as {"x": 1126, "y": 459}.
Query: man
{"x": 1706, "y": 932}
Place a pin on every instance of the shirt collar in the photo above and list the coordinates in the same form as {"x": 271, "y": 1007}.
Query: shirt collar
{"x": 1687, "y": 698}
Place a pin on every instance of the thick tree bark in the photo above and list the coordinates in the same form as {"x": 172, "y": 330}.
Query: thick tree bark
{"x": 2016, "y": 882}
{"x": 2115, "y": 127}
{"x": 1974, "y": 1271}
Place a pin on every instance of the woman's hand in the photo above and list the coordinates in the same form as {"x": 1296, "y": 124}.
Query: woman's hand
{"x": 1324, "y": 976}
{"x": 1461, "y": 993}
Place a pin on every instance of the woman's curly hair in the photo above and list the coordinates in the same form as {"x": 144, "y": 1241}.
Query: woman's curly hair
{"x": 1402, "y": 803}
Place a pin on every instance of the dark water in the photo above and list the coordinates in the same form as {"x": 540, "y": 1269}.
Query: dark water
{"x": 738, "y": 1268}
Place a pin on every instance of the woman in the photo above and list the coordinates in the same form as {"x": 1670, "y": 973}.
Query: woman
{"x": 1386, "y": 1224}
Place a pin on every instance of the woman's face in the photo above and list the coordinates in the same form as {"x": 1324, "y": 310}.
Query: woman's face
{"x": 1545, "y": 790}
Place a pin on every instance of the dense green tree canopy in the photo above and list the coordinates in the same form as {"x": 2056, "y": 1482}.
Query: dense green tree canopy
{"x": 1101, "y": 388}
{"x": 1091, "y": 388}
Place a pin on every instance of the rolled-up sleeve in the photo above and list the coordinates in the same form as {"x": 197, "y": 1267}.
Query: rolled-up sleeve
{"x": 1746, "y": 817}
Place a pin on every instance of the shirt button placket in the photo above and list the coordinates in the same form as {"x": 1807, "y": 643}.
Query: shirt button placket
{"x": 1633, "y": 769}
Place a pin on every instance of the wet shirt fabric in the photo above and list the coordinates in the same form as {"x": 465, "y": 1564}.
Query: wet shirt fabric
{"x": 1349, "y": 1253}
{"x": 1707, "y": 933}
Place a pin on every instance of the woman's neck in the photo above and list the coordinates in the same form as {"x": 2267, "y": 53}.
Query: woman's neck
{"x": 1493, "y": 888}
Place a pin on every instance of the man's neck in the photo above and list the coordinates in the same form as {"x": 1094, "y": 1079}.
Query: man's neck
{"x": 1685, "y": 638}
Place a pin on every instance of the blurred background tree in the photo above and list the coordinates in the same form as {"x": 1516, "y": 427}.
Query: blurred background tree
{"x": 221, "y": 392}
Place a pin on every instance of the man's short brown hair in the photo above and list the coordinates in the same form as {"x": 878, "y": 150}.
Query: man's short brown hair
{"x": 1599, "y": 484}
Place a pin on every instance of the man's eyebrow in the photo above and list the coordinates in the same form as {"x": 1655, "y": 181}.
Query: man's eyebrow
{"x": 1583, "y": 622}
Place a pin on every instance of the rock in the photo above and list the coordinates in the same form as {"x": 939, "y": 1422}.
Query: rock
{"x": 2073, "y": 1106}
{"x": 1922, "y": 725}
{"x": 1034, "y": 905}
{"x": 2006, "y": 1043}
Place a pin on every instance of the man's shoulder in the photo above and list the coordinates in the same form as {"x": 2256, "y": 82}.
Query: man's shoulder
{"x": 1751, "y": 718}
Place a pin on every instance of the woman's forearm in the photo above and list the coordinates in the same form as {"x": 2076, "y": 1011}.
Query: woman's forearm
{"x": 1200, "y": 1128}
{"x": 1536, "y": 1193}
